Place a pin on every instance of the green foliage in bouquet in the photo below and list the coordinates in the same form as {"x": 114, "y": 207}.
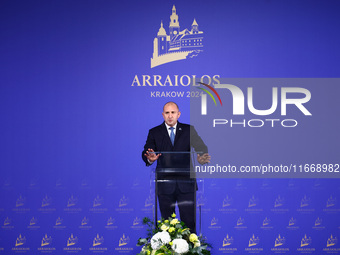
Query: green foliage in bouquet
{"x": 171, "y": 237}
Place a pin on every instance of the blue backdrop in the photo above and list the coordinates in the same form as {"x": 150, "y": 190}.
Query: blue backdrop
{"x": 78, "y": 96}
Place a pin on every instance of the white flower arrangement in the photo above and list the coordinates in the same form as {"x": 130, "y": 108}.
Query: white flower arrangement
{"x": 171, "y": 237}
{"x": 160, "y": 239}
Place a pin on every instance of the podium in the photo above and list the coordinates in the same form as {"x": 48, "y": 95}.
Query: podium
{"x": 175, "y": 171}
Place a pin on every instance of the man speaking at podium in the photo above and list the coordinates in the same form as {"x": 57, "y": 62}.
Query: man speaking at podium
{"x": 166, "y": 140}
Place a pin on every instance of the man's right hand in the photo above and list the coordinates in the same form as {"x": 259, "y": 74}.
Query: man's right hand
{"x": 151, "y": 155}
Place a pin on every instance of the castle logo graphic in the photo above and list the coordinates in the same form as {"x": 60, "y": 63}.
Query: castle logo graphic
{"x": 72, "y": 240}
{"x": 72, "y": 201}
{"x": 178, "y": 45}
{"x": 279, "y": 201}
{"x": 46, "y": 201}
{"x": 292, "y": 222}
{"x": 59, "y": 221}
{"x": 227, "y": 240}
{"x": 240, "y": 222}
{"x": 149, "y": 201}
{"x": 98, "y": 240}
{"x": 252, "y": 201}
{"x": 227, "y": 201}
{"x": 7, "y": 221}
{"x": 33, "y": 221}
{"x": 84, "y": 221}
{"x": 124, "y": 240}
{"x": 98, "y": 201}
{"x": 279, "y": 241}
{"x": 305, "y": 241}
{"x": 213, "y": 222}
{"x": 253, "y": 241}
{"x": 20, "y": 201}
{"x": 20, "y": 241}
{"x": 47, "y": 240}
{"x": 266, "y": 222}
{"x": 305, "y": 201}
{"x": 332, "y": 241}
{"x": 110, "y": 221}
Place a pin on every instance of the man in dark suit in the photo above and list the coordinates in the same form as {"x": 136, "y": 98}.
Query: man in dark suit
{"x": 174, "y": 185}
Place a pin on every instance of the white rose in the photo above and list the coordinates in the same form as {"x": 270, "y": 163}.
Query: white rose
{"x": 180, "y": 246}
{"x": 160, "y": 239}
{"x": 197, "y": 244}
{"x": 174, "y": 221}
{"x": 164, "y": 227}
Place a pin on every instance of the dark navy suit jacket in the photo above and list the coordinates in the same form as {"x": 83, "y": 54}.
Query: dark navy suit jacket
{"x": 185, "y": 139}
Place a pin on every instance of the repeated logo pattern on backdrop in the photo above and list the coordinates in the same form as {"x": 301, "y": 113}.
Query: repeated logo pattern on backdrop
{"x": 248, "y": 216}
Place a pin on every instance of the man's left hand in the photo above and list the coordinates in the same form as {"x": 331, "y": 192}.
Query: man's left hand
{"x": 203, "y": 159}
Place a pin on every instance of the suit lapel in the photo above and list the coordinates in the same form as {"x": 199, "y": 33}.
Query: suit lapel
{"x": 178, "y": 132}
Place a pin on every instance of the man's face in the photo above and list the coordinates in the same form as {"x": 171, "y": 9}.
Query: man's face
{"x": 171, "y": 114}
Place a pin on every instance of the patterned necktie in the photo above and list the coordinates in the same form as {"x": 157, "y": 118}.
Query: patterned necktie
{"x": 172, "y": 135}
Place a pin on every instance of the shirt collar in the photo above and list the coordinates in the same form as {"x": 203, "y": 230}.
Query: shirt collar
{"x": 167, "y": 126}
